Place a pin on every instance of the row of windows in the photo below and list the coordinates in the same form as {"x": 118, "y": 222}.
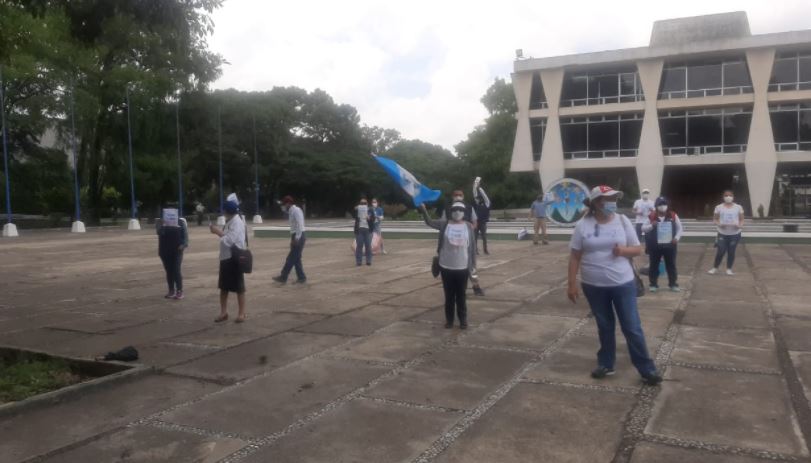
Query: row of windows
{"x": 697, "y": 78}
{"x": 690, "y": 132}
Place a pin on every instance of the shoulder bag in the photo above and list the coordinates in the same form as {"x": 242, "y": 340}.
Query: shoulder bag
{"x": 244, "y": 257}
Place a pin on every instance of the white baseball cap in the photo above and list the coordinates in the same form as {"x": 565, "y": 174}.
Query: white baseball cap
{"x": 645, "y": 190}
{"x": 603, "y": 190}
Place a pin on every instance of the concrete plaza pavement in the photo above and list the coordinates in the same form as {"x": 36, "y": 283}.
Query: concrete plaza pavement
{"x": 355, "y": 366}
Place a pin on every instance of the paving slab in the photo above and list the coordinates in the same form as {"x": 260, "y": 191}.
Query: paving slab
{"x": 509, "y": 291}
{"x": 360, "y": 431}
{"x": 253, "y": 358}
{"x": 398, "y": 343}
{"x": 545, "y": 423}
{"x": 795, "y": 332}
{"x": 144, "y": 444}
{"x": 91, "y": 413}
{"x": 734, "y": 409}
{"x": 262, "y": 326}
{"x": 720, "y": 314}
{"x": 271, "y": 403}
{"x": 479, "y": 310}
{"x": 711, "y": 287}
{"x": 802, "y": 363}
{"x": 521, "y": 330}
{"x": 363, "y": 321}
{"x": 457, "y": 378}
{"x": 790, "y": 305}
{"x": 646, "y": 452}
{"x": 739, "y": 348}
{"x": 426, "y": 297}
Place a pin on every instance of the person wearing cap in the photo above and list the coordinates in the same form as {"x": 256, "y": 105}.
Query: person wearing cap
{"x": 364, "y": 223}
{"x": 602, "y": 246}
{"x": 297, "y": 240}
{"x": 728, "y": 218}
{"x": 456, "y": 248}
{"x": 663, "y": 231}
{"x": 642, "y": 210}
{"x": 231, "y": 279}
{"x": 537, "y": 212}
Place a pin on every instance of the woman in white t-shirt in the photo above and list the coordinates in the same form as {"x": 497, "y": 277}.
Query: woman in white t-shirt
{"x": 728, "y": 218}
{"x": 602, "y": 246}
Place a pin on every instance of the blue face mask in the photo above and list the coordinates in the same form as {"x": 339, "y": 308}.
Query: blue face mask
{"x": 609, "y": 208}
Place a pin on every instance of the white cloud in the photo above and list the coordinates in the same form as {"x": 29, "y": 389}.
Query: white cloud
{"x": 421, "y": 66}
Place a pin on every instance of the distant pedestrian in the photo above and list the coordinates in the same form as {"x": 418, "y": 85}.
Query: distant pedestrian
{"x": 200, "y": 212}
{"x": 663, "y": 231}
{"x": 231, "y": 280}
{"x": 173, "y": 239}
{"x": 602, "y": 245}
{"x": 728, "y": 219}
{"x": 456, "y": 248}
{"x": 364, "y": 223}
{"x": 481, "y": 204}
{"x": 297, "y": 240}
{"x": 378, "y": 225}
{"x": 537, "y": 213}
{"x": 642, "y": 210}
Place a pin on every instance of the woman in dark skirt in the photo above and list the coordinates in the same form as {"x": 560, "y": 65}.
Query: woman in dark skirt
{"x": 231, "y": 279}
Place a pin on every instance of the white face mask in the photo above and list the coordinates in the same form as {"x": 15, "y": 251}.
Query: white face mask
{"x": 662, "y": 208}
{"x": 458, "y": 199}
{"x": 728, "y": 199}
{"x": 457, "y": 215}
{"x": 374, "y": 204}
{"x": 285, "y": 208}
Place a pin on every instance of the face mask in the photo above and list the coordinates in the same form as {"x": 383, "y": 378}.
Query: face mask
{"x": 285, "y": 208}
{"x": 662, "y": 208}
{"x": 458, "y": 198}
{"x": 374, "y": 204}
{"x": 727, "y": 199}
{"x": 610, "y": 208}
{"x": 457, "y": 215}
{"x": 645, "y": 196}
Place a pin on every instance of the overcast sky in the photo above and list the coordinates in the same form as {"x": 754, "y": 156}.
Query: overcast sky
{"x": 421, "y": 66}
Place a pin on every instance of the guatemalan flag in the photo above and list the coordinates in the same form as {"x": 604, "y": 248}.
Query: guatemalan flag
{"x": 419, "y": 193}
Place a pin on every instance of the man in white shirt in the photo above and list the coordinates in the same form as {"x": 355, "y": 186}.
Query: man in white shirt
{"x": 642, "y": 209}
{"x": 297, "y": 240}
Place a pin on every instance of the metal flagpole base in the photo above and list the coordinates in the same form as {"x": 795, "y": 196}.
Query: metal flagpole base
{"x": 221, "y": 220}
{"x": 257, "y": 219}
{"x": 77, "y": 227}
{"x": 134, "y": 225}
{"x": 10, "y": 231}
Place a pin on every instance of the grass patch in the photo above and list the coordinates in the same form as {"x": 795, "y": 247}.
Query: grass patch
{"x": 23, "y": 377}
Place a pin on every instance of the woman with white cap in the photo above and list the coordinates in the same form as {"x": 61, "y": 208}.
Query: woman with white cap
{"x": 231, "y": 279}
{"x": 602, "y": 246}
{"x": 642, "y": 209}
{"x": 457, "y": 259}
{"x": 728, "y": 219}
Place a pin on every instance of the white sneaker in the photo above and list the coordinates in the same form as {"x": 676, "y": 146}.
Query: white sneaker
{"x": 712, "y": 271}
{"x": 730, "y": 272}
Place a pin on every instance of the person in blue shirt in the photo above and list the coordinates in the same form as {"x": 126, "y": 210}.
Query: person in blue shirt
{"x": 377, "y": 228}
{"x": 537, "y": 212}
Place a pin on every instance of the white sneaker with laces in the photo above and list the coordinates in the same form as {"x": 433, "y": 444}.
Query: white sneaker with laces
{"x": 730, "y": 272}
{"x": 712, "y": 271}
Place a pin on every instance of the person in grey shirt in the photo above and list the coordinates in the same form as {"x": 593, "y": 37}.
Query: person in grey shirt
{"x": 456, "y": 247}
{"x": 537, "y": 212}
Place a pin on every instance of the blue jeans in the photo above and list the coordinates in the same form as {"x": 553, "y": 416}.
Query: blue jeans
{"x": 604, "y": 302}
{"x": 294, "y": 258}
{"x": 726, "y": 244}
{"x": 363, "y": 240}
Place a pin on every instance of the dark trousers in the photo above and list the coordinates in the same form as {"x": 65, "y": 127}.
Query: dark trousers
{"x": 171, "y": 264}
{"x": 481, "y": 230}
{"x": 294, "y": 258}
{"x": 605, "y": 302}
{"x": 363, "y": 240}
{"x": 454, "y": 282}
{"x": 668, "y": 252}
{"x": 726, "y": 244}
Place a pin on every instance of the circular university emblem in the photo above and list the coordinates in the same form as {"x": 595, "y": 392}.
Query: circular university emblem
{"x": 565, "y": 201}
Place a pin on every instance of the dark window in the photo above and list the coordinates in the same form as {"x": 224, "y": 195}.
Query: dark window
{"x": 574, "y": 137}
{"x": 674, "y": 131}
{"x": 704, "y": 77}
{"x": 619, "y": 85}
{"x": 628, "y": 84}
{"x": 607, "y": 86}
{"x": 736, "y": 128}
{"x": 575, "y": 89}
{"x": 537, "y": 131}
{"x": 805, "y": 125}
{"x": 674, "y": 80}
{"x": 603, "y": 135}
{"x": 630, "y": 131}
{"x": 704, "y": 130}
{"x": 736, "y": 75}
{"x": 784, "y": 126}
{"x": 784, "y": 72}
{"x": 537, "y": 98}
{"x": 805, "y": 69}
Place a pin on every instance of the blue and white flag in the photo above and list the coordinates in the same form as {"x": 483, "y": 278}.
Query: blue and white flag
{"x": 419, "y": 193}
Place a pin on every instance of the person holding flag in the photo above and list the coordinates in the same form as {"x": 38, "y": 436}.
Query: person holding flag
{"x": 481, "y": 205}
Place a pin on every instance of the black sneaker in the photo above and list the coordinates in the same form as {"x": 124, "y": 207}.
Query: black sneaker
{"x": 602, "y": 372}
{"x": 463, "y": 326}
{"x": 279, "y": 279}
{"x": 478, "y": 291}
{"x": 300, "y": 281}
{"x": 448, "y": 325}
{"x": 652, "y": 379}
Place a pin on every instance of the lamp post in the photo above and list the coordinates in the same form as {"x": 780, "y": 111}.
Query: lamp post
{"x": 9, "y": 229}
{"x": 77, "y": 226}
{"x": 133, "y": 224}
{"x": 221, "y": 217}
{"x": 258, "y": 217}
{"x": 179, "y": 163}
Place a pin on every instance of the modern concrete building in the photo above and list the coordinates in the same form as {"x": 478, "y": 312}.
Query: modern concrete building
{"x": 706, "y": 106}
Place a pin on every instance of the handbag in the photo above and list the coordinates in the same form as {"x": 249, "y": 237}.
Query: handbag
{"x": 244, "y": 257}
{"x": 640, "y": 285}
{"x": 435, "y": 266}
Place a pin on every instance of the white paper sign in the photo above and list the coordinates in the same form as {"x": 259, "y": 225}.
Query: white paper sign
{"x": 664, "y": 232}
{"x": 729, "y": 216}
{"x": 457, "y": 235}
{"x": 170, "y": 218}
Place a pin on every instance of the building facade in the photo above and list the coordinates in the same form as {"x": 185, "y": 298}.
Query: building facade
{"x": 707, "y": 106}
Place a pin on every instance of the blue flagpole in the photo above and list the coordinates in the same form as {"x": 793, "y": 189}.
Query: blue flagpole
{"x": 219, "y": 150}
{"x": 129, "y": 143}
{"x": 73, "y": 150}
{"x": 5, "y": 147}
{"x": 256, "y": 164}
{"x": 179, "y": 164}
